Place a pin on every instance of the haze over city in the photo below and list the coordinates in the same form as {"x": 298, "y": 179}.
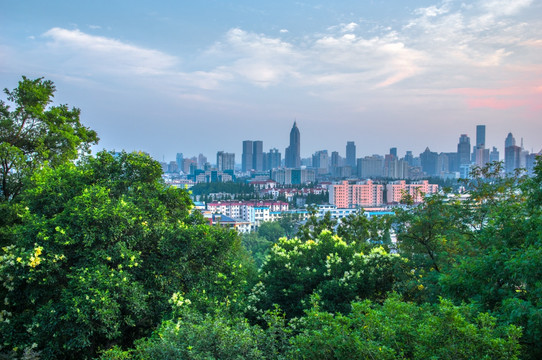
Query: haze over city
{"x": 198, "y": 77}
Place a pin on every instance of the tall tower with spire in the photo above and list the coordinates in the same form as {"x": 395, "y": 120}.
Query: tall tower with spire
{"x": 293, "y": 152}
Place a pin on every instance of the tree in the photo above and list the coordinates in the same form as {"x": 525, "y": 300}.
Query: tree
{"x": 271, "y": 230}
{"x": 485, "y": 250}
{"x": 401, "y": 330}
{"x": 101, "y": 248}
{"x": 366, "y": 232}
{"x": 296, "y": 269}
{"x": 33, "y": 132}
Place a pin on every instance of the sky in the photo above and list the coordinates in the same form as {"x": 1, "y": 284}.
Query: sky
{"x": 202, "y": 76}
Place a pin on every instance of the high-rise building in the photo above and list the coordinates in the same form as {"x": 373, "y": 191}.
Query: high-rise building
{"x": 509, "y": 141}
{"x": 512, "y": 154}
{"x": 393, "y": 152}
{"x": 320, "y": 161}
{"x": 257, "y": 155}
{"x": 179, "y": 159}
{"x": 335, "y": 159}
{"x": 246, "y": 158}
{"x": 463, "y": 150}
{"x": 409, "y": 158}
{"x": 481, "y": 136}
{"x": 202, "y": 159}
{"x": 293, "y": 152}
{"x": 351, "y": 154}
{"x": 370, "y": 167}
{"x": 225, "y": 161}
{"x": 430, "y": 162}
{"x": 494, "y": 155}
{"x": 273, "y": 159}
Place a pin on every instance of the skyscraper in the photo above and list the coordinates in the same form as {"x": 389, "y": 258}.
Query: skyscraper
{"x": 273, "y": 159}
{"x": 351, "y": 154}
{"x": 293, "y": 152}
{"x": 202, "y": 159}
{"x": 246, "y": 158}
{"x": 225, "y": 161}
{"x": 179, "y": 159}
{"x": 512, "y": 154}
{"x": 494, "y": 154}
{"x": 481, "y": 136}
{"x": 257, "y": 155}
{"x": 463, "y": 150}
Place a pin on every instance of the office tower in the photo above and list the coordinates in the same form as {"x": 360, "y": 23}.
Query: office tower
{"x": 370, "y": 167}
{"x": 509, "y": 141}
{"x": 430, "y": 162}
{"x": 453, "y": 161}
{"x": 320, "y": 160}
{"x": 351, "y": 154}
{"x": 273, "y": 159}
{"x": 409, "y": 158}
{"x": 334, "y": 169}
{"x": 512, "y": 154}
{"x": 481, "y": 136}
{"x": 257, "y": 155}
{"x": 246, "y": 158}
{"x": 172, "y": 167}
{"x": 202, "y": 159}
{"x": 225, "y": 161}
{"x": 463, "y": 150}
{"x": 393, "y": 152}
{"x": 293, "y": 152}
{"x": 335, "y": 159}
{"x": 494, "y": 155}
{"x": 179, "y": 160}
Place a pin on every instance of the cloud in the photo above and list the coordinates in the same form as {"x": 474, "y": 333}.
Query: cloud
{"x": 505, "y": 7}
{"x": 108, "y": 55}
{"x": 445, "y": 46}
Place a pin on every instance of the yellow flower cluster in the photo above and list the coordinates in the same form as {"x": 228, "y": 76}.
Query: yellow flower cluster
{"x": 35, "y": 259}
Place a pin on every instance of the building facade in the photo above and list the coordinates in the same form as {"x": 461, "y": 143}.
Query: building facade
{"x": 361, "y": 194}
{"x": 293, "y": 152}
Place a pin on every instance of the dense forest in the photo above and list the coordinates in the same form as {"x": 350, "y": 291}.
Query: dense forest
{"x": 100, "y": 259}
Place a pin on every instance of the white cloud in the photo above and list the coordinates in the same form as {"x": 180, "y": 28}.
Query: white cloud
{"x": 441, "y": 46}
{"x": 108, "y": 55}
{"x": 505, "y": 7}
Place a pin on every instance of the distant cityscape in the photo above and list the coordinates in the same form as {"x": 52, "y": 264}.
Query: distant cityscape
{"x": 373, "y": 185}
{"x": 325, "y": 166}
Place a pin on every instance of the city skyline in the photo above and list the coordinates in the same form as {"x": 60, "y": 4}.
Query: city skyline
{"x": 203, "y": 76}
{"x": 466, "y": 153}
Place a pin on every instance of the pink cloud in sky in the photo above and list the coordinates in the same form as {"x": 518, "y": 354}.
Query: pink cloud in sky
{"x": 496, "y": 103}
{"x": 503, "y": 98}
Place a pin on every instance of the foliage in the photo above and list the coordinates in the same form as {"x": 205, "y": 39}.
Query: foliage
{"x": 35, "y": 132}
{"x": 257, "y": 246}
{"x": 296, "y": 269}
{"x": 485, "y": 250}
{"x": 401, "y": 330}
{"x": 271, "y": 230}
{"x": 100, "y": 249}
{"x": 216, "y": 335}
{"x": 366, "y": 232}
{"x": 312, "y": 228}
{"x": 289, "y": 223}
{"x": 317, "y": 199}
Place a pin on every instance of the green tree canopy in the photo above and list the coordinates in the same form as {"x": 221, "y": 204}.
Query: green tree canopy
{"x": 32, "y": 132}
{"x": 100, "y": 250}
